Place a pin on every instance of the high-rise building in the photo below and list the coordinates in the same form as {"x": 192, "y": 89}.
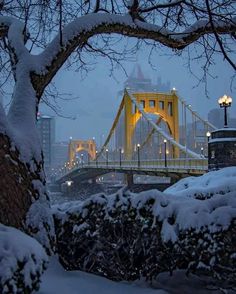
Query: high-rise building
{"x": 46, "y": 127}
{"x": 216, "y": 117}
{"x": 60, "y": 154}
{"x": 138, "y": 82}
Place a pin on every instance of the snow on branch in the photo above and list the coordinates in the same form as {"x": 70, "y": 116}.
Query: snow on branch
{"x": 44, "y": 66}
{"x": 14, "y": 30}
{"x": 79, "y": 31}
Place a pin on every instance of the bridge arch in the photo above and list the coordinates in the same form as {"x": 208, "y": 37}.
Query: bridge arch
{"x": 162, "y": 104}
{"x": 78, "y": 145}
{"x": 143, "y": 135}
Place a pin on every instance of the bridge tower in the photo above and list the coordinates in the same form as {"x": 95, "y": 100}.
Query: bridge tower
{"x": 163, "y": 104}
{"x": 79, "y": 145}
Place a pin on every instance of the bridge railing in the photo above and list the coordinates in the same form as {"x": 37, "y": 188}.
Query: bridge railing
{"x": 170, "y": 163}
{"x": 175, "y": 164}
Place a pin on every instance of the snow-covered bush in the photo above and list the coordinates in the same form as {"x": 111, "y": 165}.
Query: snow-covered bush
{"x": 22, "y": 262}
{"x": 128, "y": 236}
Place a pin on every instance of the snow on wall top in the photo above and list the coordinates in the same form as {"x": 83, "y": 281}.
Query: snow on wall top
{"x": 215, "y": 182}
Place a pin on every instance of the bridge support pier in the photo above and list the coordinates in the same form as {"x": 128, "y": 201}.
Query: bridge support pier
{"x": 129, "y": 180}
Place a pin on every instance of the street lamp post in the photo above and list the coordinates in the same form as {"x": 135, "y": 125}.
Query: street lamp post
{"x": 96, "y": 158}
{"x": 120, "y": 155}
{"x": 225, "y": 102}
{"x": 202, "y": 152}
{"x": 165, "y": 152}
{"x": 208, "y": 134}
{"x": 88, "y": 159}
{"x": 138, "y": 149}
{"x": 107, "y": 157}
{"x": 82, "y": 161}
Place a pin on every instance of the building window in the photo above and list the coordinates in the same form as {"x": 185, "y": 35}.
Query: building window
{"x": 161, "y": 105}
{"x": 152, "y": 103}
{"x": 142, "y": 104}
{"x": 170, "y": 108}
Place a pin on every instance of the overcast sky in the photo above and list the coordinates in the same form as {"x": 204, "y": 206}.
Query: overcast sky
{"x": 98, "y": 100}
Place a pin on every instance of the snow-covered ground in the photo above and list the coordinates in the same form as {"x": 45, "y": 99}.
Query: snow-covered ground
{"x": 58, "y": 281}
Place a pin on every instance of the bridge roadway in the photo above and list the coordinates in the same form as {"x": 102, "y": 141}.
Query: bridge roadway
{"x": 173, "y": 168}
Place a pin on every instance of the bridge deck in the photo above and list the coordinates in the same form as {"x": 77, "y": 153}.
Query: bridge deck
{"x": 173, "y": 168}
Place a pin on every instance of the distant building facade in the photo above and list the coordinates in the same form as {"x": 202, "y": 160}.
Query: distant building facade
{"x": 216, "y": 117}
{"x": 138, "y": 82}
{"x": 46, "y": 127}
{"x": 59, "y": 154}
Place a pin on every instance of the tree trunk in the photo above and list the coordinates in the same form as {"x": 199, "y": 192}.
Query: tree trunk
{"x": 19, "y": 193}
{"x": 14, "y": 185}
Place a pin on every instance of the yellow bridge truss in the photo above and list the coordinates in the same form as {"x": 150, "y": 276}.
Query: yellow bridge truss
{"x": 166, "y": 106}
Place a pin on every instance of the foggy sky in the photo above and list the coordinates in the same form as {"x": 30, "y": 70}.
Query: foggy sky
{"x": 98, "y": 101}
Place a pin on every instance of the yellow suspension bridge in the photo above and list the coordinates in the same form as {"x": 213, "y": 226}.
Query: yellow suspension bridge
{"x": 153, "y": 133}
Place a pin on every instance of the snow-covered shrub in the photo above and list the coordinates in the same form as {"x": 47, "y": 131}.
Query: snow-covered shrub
{"x": 22, "y": 262}
{"x": 124, "y": 237}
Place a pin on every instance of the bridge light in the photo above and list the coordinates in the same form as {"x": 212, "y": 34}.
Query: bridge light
{"x": 70, "y": 138}
{"x": 138, "y": 149}
{"x": 121, "y": 152}
{"x": 107, "y": 157}
{"x": 69, "y": 183}
{"x": 208, "y": 134}
{"x": 202, "y": 155}
{"x": 82, "y": 162}
{"x": 165, "y": 152}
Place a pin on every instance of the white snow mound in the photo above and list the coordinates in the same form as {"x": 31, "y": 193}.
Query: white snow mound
{"x": 22, "y": 261}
